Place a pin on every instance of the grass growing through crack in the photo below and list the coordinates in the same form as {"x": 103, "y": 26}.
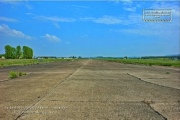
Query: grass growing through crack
{"x": 14, "y": 74}
{"x": 22, "y": 73}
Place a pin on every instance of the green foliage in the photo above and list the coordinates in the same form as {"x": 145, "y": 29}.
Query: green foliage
{"x": 2, "y": 55}
{"x": 13, "y": 74}
{"x": 27, "y": 52}
{"x": 16, "y": 53}
{"x": 15, "y": 62}
{"x": 149, "y": 62}
{"x": 13, "y": 53}
{"x": 21, "y": 73}
{"x": 8, "y": 52}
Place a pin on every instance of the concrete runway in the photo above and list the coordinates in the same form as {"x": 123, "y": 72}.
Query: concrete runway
{"x": 90, "y": 90}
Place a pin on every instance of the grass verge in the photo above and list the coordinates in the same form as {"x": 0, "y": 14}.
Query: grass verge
{"x": 149, "y": 62}
{"x": 16, "y": 62}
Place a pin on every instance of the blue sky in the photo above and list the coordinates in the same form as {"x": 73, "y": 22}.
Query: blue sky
{"x": 89, "y": 28}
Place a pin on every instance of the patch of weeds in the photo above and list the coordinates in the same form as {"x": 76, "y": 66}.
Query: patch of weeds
{"x": 166, "y": 65}
{"x": 22, "y": 73}
{"x": 2, "y": 65}
{"x": 167, "y": 72}
{"x": 150, "y": 64}
{"x": 13, "y": 74}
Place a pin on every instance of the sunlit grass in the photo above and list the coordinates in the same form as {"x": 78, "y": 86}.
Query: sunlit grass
{"x": 160, "y": 62}
{"x": 15, "y": 62}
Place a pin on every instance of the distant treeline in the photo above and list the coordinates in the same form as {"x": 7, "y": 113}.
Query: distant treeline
{"x": 16, "y": 53}
{"x": 165, "y": 57}
{"x": 175, "y": 57}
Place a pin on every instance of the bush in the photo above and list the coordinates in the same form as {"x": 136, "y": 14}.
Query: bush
{"x": 13, "y": 74}
{"x": 22, "y": 73}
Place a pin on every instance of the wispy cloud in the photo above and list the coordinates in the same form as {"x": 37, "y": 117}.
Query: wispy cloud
{"x": 131, "y": 9}
{"x": 9, "y": 2}
{"x": 165, "y": 30}
{"x": 174, "y": 6}
{"x": 56, "y": 25}
{"x": 54, "y": 19}
{"x": 6, "y": 19}
{"x": 30, "y": 14}
{"x": 17, "y": 3}
{"x": 139, "y": 31}
{"x": 5, "y": 30}
{"x": 51, "y": 38}
{"x": 130, "y": 6}
{"x": 103, "y": 20}
{"x": 80, "y": 6}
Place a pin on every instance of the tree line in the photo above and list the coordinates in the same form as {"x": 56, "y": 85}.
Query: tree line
{"x": 16, "y": 53}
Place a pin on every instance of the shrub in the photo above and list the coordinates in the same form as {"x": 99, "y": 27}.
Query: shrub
{"x": 167, "y": 73}
{"x": 20, "y": 74}
{"x": 13, "y": 74}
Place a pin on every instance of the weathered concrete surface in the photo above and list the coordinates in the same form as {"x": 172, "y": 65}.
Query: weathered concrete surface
{"x": 90, "y": 89}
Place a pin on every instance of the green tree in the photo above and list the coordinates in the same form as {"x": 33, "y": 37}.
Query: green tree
{"x": 27, "y": 52}
{"x": 13, "y": 53}
{"x": 18, "y": 52}
{"x": 31, "y": 53}
{"x": 8, "y": 52}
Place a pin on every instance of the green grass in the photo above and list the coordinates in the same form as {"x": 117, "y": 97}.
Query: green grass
{"x": 149, "y": 62}
{"x": 14, "y": 74}
{"x": 16, "y": 62}
{"x": 21, "y": 73}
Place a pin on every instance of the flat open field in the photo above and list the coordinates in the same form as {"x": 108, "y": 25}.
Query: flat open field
{"x": 90, "y": 90}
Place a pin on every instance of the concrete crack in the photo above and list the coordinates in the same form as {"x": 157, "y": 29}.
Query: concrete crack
{"x": 47, "y": 94}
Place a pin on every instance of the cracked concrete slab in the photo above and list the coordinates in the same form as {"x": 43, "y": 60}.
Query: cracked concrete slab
{"x": 90, "y": 89}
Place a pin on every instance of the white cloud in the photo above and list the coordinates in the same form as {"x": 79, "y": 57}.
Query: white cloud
{"x": 130, "y": 6}
{"x": 165, "y": 30}
{"x": 55, "y": 19}
{"x": 5, "y": 30}
{"x": 17, "y": 3}
{"x": 28, "y": 13}
{"x": 103, "y": 20}
{"x": 131, "y": 9}
{"x": 6, "y": 19}
{"x": 51, "y": 38}
{"x": 9, "y": 2}
{"x": 56, "y": 25}
{"x": 80, "y": 6}
{"x": 138, "y": 31}
{"x": 174, "y": 6}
